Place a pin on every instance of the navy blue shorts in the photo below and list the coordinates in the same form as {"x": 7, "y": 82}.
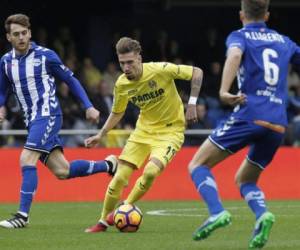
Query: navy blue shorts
{"x": 43, "y": 136}
{"x": 234, "y": 135}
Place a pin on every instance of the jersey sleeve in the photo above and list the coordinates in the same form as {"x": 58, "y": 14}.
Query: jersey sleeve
{"x": 236, "y": 40}
{"x": 56, "y": 66}
{"x": 120, "y": 100}
{"x": 59, "y": 70}
{"x": 4, "y": 85}
{"x": 182, "y": 72}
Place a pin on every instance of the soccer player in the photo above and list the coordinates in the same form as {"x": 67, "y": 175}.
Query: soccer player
{"x": 28, "y": 70}
{"x": 260, "y": 57}
{"x": 160, "y": 127}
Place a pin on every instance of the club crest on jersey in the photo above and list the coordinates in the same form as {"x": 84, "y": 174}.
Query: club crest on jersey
{"x": 152, "y": 84}
{"x": 37, "y": 62}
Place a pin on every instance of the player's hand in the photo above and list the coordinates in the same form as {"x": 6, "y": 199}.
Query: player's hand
{"x": 92, "y": 141}
{"x": 2, "y": 114}
{"x": 191, "y": 114}
{"x": 92, "y": 115}
{"x": 233, "y": 100}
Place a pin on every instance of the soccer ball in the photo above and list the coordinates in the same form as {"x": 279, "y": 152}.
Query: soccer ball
{"x": 128, "y": 218}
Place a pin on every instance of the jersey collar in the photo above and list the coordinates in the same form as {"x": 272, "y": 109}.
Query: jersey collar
{"x": 256, "y": 25}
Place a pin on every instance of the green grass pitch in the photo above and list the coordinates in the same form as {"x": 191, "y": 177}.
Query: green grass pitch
{"x": 166, "y": 226}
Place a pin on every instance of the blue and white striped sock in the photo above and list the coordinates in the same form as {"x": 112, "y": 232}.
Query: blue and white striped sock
{"x": 207, "y": 188}
{"x": 254, "y": 197}
{"x": 28, "y": 188}
{"x": 80, "y": 168}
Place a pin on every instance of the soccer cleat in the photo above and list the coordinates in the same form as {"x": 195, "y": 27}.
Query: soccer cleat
{"x": 17, "y": 221}
{"x": 110, "y": 218}
{"x": 212, "y": 223}
{"x": 262, "y": 230}
{"x": 112, "y": 161}
{"x": 99, "y": 227}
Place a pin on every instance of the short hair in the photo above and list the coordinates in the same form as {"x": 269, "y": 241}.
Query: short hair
{"x": 20, "y": 19}
{"x": 127, "y": 45}
{"x": 255, "y": 9}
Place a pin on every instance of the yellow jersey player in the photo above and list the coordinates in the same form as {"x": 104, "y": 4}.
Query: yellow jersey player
{"x": 159, "y": 131}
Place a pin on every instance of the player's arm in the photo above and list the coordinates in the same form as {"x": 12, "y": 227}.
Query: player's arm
{"x": 196, "y": 83}
{"x": 4, "y": 86}
{"x": 231, "y": 66}
{"x": 64, "y": 74}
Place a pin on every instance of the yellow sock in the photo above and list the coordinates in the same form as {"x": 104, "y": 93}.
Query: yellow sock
{"x": 144, "y": 182}
{"x": 114, "y": 189}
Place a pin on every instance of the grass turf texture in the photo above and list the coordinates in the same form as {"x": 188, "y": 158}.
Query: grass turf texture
{"x": 61, "y": 225}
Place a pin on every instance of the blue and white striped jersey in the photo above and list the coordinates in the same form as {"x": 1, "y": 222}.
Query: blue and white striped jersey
{"x": 31, "y": 78}
{"x": 263, "y": 72}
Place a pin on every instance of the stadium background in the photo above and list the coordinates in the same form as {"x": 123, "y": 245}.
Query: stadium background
{"x": 190, "y": 32}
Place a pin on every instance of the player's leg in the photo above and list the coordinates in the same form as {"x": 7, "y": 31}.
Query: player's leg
{"x": 28, "y": 161}
{"x": 62, "y": 169}
{"x": 246, "y": 178}
{"x": 207, "y": 156}
{"x": 113, "y": 195}
{"x": 226, "y": 139}
{"x": 163, "y": 148}
{"x": 132, "y": 156}
{"x": 152, "y": 169}
{"x": 260, "y": 155}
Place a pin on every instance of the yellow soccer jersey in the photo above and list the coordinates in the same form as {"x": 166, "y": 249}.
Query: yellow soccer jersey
{"x": 155, "y": 93}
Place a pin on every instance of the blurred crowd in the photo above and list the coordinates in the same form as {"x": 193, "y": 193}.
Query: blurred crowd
{"x": 99, "y": 84}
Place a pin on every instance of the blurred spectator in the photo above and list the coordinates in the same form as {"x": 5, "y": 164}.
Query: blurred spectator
{"x": 111, "y": 75}
{"x": 294, "y": 107}
{"x": 91, "y": 75}
{"x": 212, "y": 81}
{"x": 64, "y": 43}
{"x": 78, "y": 140}
{"x": 15, "y": 117}
{"x": 130, "y": 117}
{"x": 203, "y": 123}
{"x": 102, "y": 100}
{"x": 70, "y": 108}
{"x": 41, "y": 37}
{"x": 211, "y": 48}
{"x": 4, "y": 140}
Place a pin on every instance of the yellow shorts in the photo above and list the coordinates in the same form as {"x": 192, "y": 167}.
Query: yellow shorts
{"x": 141, "y": 144}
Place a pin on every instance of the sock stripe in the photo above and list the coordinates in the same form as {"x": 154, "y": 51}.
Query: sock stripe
{"x": 91, "y": 167}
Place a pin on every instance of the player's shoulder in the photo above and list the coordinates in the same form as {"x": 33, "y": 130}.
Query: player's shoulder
{"x": 283, "y": 36}
{"x": 49, "y": 53}
{"x": 122, "y": 80}
{"x": 157, "y": 66}
{"x": 6, "y": 56}
{"x": 239, "y": 33}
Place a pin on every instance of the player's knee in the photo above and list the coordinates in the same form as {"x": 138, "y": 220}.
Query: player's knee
{"x": 150, "y": 173}
{"x": 61, "y": 173}
{"x": 29, "y": 158}
{"x": 238, "y": 180}
{"x": 192, "y": 165}
{"x": 120, "y": 179}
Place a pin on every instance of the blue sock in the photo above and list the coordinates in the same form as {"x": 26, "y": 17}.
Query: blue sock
{"x": 207, "y": 188}
{"x": 28, "y": 188}
{"x": 84, "y": 168}
{"x": 254, "y": 197}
